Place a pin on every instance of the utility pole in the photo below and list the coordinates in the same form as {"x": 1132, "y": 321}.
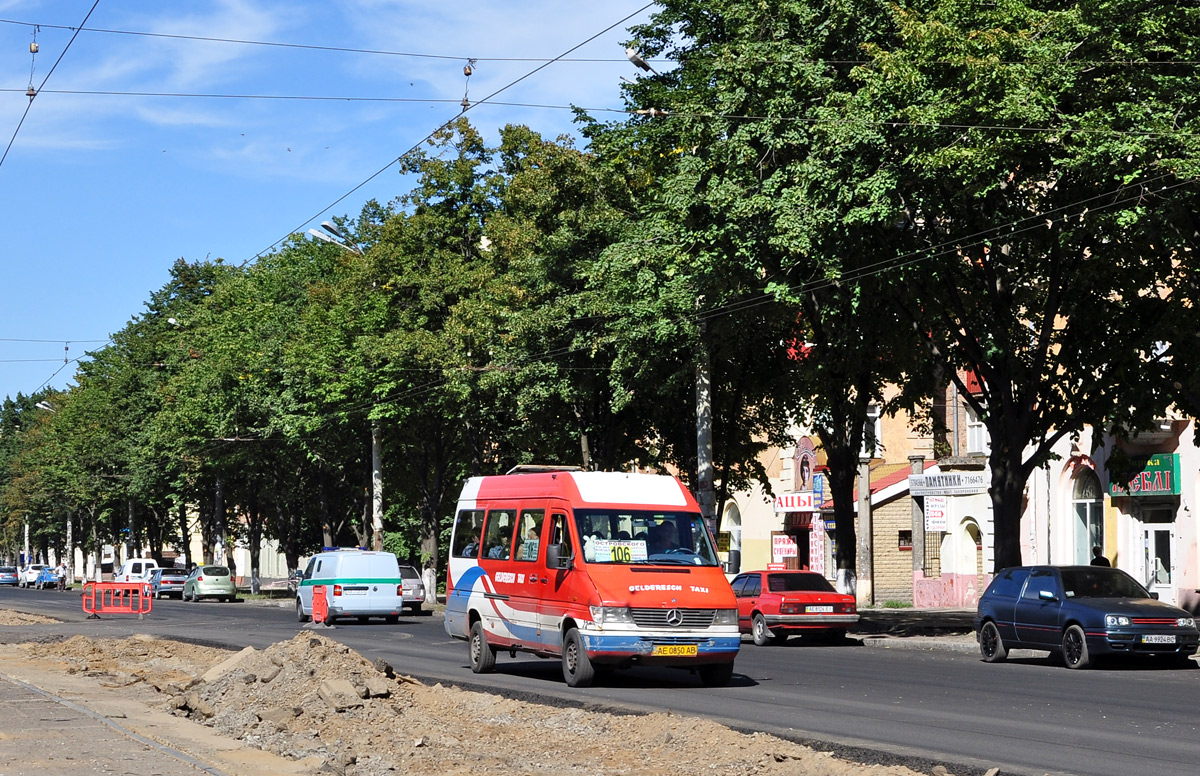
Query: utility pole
{"x": 376, "y": 487}
{"x": 705, "y": 494}
{"x": 865, "y": 591}
{"x": 916, "y": 466}
{"x": 70, "y": 564}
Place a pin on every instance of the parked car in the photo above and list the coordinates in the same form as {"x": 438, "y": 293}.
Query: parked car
{"x": 47, "y": 579}
{"x": 1080, "y": 612}
{"x": 167, "y": 582}
{"x": 414, "y": 588}
{"x": 29, "y": 574}
{"x": 136, "y": 570}
{"x": 209, "y": 582}
{"x": 9, "y": 575}
{"x": 773, "y": 605}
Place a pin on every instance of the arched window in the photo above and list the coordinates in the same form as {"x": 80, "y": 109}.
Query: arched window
{"x": 1088, "y": 503}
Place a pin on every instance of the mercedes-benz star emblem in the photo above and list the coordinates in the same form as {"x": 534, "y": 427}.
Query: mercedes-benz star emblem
{"x": 674, "y": 617}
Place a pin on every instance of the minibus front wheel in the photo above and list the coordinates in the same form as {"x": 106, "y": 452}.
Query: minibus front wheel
{"x": 483, "y": 655}
{"x": 577, "y": 667}
{"x": 716, "y": 674}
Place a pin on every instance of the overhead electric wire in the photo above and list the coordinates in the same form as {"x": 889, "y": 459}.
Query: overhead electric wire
{"x": 958, "y": 244}
{"x": 49, "y": 341}
{"x": 963, "y": 62}
{"x": 313, "y": 47}
{"x": 62, "y": 54}
{"x": 447, "y": 123}
{"x": 629, "y": 111}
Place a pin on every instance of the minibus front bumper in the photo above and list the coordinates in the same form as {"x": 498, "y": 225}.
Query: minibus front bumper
{"x": 673, "y": 649}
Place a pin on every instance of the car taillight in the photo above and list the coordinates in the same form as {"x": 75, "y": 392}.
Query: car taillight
{"x": 850, "y": 608}
{"x": 337, "y": 589}
{"x": 199, "y": 579}
{"x": 790, "y": 609}
{"x": 399, "y": 589}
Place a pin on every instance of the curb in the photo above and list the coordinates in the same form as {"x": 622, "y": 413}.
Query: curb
{"x": 961, "y": 644}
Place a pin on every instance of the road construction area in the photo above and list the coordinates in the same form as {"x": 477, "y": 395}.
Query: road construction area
{"x": 311, "y": 705}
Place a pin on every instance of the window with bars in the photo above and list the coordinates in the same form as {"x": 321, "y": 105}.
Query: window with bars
{"x": 933, "y": 553}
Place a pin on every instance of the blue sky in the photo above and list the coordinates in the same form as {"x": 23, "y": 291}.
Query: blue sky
{"x": 102, "y": 189}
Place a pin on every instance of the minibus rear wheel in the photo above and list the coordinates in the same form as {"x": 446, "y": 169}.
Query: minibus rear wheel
{"x": 578, "y": 670}
{"x": 483, "y": 655}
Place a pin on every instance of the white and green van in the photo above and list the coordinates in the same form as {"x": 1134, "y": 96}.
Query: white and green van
{"x": 358, "y": 583}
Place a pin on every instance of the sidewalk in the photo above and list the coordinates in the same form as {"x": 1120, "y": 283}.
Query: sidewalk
{"x": 72, "y": 724}
{"x": 925, "y": 629}
{"x": 45, "y": 734}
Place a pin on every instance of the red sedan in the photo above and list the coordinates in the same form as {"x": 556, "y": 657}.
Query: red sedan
{"x": 773, "y": 605}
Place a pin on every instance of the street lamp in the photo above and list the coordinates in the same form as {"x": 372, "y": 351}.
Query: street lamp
{"x": 335, "y": 237}
{"x": 45, "y": 405}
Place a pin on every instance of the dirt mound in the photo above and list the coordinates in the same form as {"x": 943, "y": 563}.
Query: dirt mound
{"x": 316, "y": 700}
{"x": 10, "y": 618}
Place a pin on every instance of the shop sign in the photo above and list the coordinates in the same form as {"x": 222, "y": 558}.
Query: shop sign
{"x": 798, "y": 521}
{"x": 1154, "y": 475}
{"x": 794, "y": 502}
{"x": 816, "y": 547}
{"x": 937, "y": 513}
{"x": 776, "y": 567}
{"x": 947, "y": 484}
{"x": 783, "y": 546}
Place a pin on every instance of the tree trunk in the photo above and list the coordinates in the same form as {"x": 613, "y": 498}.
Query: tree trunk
{"x": 323, "y": 501}
{"x": 185, "y": 534}
{"x": 254, "y": 539}
{"x": 1007, "y": 492}
{"x": 842, "y": 469}
{"x": 216, "y": 551}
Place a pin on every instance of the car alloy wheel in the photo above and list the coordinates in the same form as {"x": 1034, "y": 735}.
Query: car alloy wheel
{"x": 991, "y": 646}
{"x": 1074, "y": 648}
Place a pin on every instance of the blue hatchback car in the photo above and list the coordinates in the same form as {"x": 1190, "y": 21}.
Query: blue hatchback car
{"x": 1081, "y": 612}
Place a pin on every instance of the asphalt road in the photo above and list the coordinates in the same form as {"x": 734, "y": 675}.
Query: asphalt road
{"x": 917, "y": 706}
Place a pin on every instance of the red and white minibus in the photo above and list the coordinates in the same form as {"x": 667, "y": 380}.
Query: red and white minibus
{"x": 600, "y": 569}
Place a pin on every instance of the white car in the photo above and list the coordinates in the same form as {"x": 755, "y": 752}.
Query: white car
{"x": 29, "y": 574}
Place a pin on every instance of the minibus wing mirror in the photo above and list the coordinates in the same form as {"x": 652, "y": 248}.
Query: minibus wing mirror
{"x": 557, "y": 557}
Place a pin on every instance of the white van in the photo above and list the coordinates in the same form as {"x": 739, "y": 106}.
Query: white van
{"x": 358, "y": 583}
{"x": 136, "y": 570}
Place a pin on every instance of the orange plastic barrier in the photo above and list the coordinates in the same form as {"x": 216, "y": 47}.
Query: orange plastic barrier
{"x": 320, "y": 604}
{"x": 116, "y": 598}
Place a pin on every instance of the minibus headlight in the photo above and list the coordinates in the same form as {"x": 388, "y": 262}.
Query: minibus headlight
{"x": 611, "y": 615}
{"x": 1116, "y": 621}
{"x": 725, "y": 617}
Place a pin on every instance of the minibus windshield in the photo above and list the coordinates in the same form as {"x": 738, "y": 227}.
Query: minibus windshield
{"x": 644, "y": 536}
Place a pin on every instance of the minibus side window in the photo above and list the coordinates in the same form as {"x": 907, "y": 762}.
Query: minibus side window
{"x": 497, "y": 540}
{"x": 467, "y": 527}
{"x": 530, "y": 532}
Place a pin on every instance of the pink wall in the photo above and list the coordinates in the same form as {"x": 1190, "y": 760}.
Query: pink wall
{"x": 949, "y": 591}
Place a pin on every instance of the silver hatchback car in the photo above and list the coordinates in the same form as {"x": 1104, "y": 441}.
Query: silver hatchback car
{"x": 209, "y": 582}
{"x": 414, "y": 588}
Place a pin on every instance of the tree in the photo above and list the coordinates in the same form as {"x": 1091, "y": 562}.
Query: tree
{"x": 1043, "y": 165}
{"x": 742, "y": 213}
